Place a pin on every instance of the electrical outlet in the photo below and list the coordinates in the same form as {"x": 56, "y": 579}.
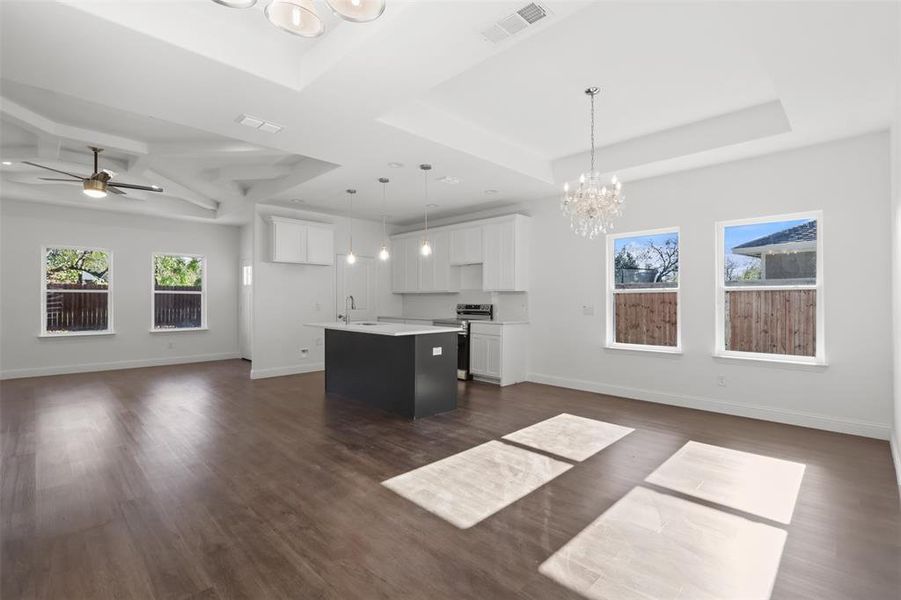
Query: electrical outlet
{"x": 171, "y": 345}
{"x": 319, "y": 341}
{"x": 317, "y": 307}
{"x": 587, "y": 310}
{"x": 437, "y": 350}
{"x": 721, "y": 381}
{"x": 304, "y": 352}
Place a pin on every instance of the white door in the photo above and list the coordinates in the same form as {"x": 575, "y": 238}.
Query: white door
{"x": 357, "y": 280}
{"x": 245, "y": 302}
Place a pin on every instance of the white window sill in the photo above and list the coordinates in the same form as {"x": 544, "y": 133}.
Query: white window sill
{"x": 671, "y": 350}
{"x": 179, "y": 329}
{"x": 65, "y": 334}
{"x": 773, "y": 359}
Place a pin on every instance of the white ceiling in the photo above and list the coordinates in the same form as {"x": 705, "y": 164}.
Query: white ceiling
{"x": 161, "y": 83}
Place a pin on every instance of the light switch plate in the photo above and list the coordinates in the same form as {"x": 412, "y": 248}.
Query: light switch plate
{"x": 588, "y": 309}
{"x": 437, "y": 351}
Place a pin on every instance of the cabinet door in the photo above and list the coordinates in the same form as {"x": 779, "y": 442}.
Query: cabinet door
{"x": 491, "y": 250}
{"x": 466, "y": 246}
{"x": 398, "y": 262}
{"x": 478, "y": 354}
{"x": 493, "y": 358}
{"x": 320, "y": 246}
{"x": 507, "y": 268}
{"x": 441, "y": 268}
{"x": 289, "y": 242}
{"x": 473, "y": 245}
{"x": 411, "y": 264}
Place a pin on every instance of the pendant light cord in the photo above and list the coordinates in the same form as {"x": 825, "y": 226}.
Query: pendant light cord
{"x": 591, "y": 174}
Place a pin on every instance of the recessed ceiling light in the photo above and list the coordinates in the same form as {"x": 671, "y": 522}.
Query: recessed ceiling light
{"x": 450, "y": 180}
{"x": 491, "y": 191}
{"x": 6, "y": 163}
{"x": 395, "y": 165}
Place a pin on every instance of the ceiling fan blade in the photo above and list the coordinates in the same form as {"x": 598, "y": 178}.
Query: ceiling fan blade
{"x": 54, "y": 170}
{"x": 132, "y": 186}
{"x": 113, "y": 190}
{"x": 57, "y": 179}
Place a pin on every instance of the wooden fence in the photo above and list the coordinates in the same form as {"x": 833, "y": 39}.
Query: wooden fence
{"x": 772, "y": 321}
{"x": 88, "y": 310}
{"x": 646, "y": 318}
{"x": 77, "y": 311}
{"x": 177, "y": 310}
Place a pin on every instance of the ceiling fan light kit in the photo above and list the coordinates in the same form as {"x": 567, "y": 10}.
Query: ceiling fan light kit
{"x": 297, "y": 17}
{"x": 99, "y": 183}
{"x": 236, "y": 3}
{"x": 358, "y": 11}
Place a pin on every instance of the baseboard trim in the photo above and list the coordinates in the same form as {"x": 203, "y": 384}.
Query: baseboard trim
{"x": 766, "y": 413}
{"x": 115, "y": 366}
{"x": 282, "y": 371}
{"x": 896, "y": 456}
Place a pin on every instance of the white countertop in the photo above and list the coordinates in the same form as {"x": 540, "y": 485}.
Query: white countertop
{"x": 393, "y": 329}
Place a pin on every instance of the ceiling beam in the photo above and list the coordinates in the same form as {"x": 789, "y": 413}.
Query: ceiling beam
{"x": 299, "y": 174}
{"x": 32, "y": 121}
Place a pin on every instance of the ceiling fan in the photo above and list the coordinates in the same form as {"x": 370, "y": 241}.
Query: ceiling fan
{"x": 98, "y": 184}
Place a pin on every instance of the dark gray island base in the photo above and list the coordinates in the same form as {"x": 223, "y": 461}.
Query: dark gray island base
{"x": 411, "y": 375}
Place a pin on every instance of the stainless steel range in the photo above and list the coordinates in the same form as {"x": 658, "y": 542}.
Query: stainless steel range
{"x": 466, "y": 313}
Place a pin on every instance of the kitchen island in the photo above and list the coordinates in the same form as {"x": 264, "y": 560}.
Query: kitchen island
{"x": 410, "y": 370}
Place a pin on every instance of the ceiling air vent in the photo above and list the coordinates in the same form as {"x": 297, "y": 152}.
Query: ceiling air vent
{"x": 513, "y": 24}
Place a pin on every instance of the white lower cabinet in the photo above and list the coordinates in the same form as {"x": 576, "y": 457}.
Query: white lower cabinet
{"x": 497, "y": 352}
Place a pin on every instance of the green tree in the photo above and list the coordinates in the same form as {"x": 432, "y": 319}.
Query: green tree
{"x": 70, "y": 266}
{"x": 182, "y": 271}
{"x": 625, "y": 260}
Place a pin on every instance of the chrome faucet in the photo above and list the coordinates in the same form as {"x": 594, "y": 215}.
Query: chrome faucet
{"x": 353, "y": 306}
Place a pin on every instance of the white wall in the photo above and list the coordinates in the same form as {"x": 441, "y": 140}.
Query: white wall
{"x": 285, "y": 296}
{"x": 848, "y": 180}
{"x": 896, "y": 260}
{"x": 26, "y": 227}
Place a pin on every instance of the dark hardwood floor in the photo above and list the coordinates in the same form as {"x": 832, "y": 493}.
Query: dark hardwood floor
{"x": 193, "y": 481}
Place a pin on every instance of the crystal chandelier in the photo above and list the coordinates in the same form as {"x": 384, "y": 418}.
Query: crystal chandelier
{"x": 592, "y": 207}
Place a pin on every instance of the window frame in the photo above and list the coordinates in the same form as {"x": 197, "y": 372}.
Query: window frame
{"x": 110, "y": 329}
{"x": 610, "y": 338}
{"x": 819, "y": 358}
{"x": 203, "y": 296}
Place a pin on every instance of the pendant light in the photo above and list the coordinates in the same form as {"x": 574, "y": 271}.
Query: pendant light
{"x": 358, "y": 11}
{"x": 593, "y": 206}
{"x": 297, "y": 17}
{"x": 383, "y": 251}
{"x": 351, "y": 257}
{"x": 425, "y": 247}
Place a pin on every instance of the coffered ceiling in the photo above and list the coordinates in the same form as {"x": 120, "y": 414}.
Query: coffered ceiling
{"x": 161, "y": 84}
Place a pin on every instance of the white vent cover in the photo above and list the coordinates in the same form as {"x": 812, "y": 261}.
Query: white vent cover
{"x": 513, "y": 24}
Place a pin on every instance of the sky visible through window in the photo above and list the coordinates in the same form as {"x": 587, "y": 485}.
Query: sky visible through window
{"x": 652, "y": 259}
{"x": 739, "y": 266}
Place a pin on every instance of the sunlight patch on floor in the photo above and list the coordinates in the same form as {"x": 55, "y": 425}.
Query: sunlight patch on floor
{"x": 569, "y": 436}
{"x": 752, "y": 483}
{"x": 652, "y": 545}
{"x": 469, "y": 487}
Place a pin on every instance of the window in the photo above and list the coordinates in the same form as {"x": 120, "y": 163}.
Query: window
{"x": 179, "y": 296}
{"x": 75, "y": 294}
{"x": 643, "y": 290}
{"x": 770, "y": 288}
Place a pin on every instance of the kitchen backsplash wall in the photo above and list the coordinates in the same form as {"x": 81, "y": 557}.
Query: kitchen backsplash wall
{"x": 508, "y": 306}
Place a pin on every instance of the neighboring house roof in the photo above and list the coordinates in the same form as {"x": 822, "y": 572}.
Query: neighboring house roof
{"x": 803, "y": 236}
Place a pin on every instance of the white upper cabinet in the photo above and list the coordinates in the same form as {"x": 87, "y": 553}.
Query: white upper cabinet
{"x": 505, "y": 248}
{"x": 302, "y": 242}
{"x": 466, "y": 246}
{"x": 320, "y": 245}
{"x": 500, "y": 245}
